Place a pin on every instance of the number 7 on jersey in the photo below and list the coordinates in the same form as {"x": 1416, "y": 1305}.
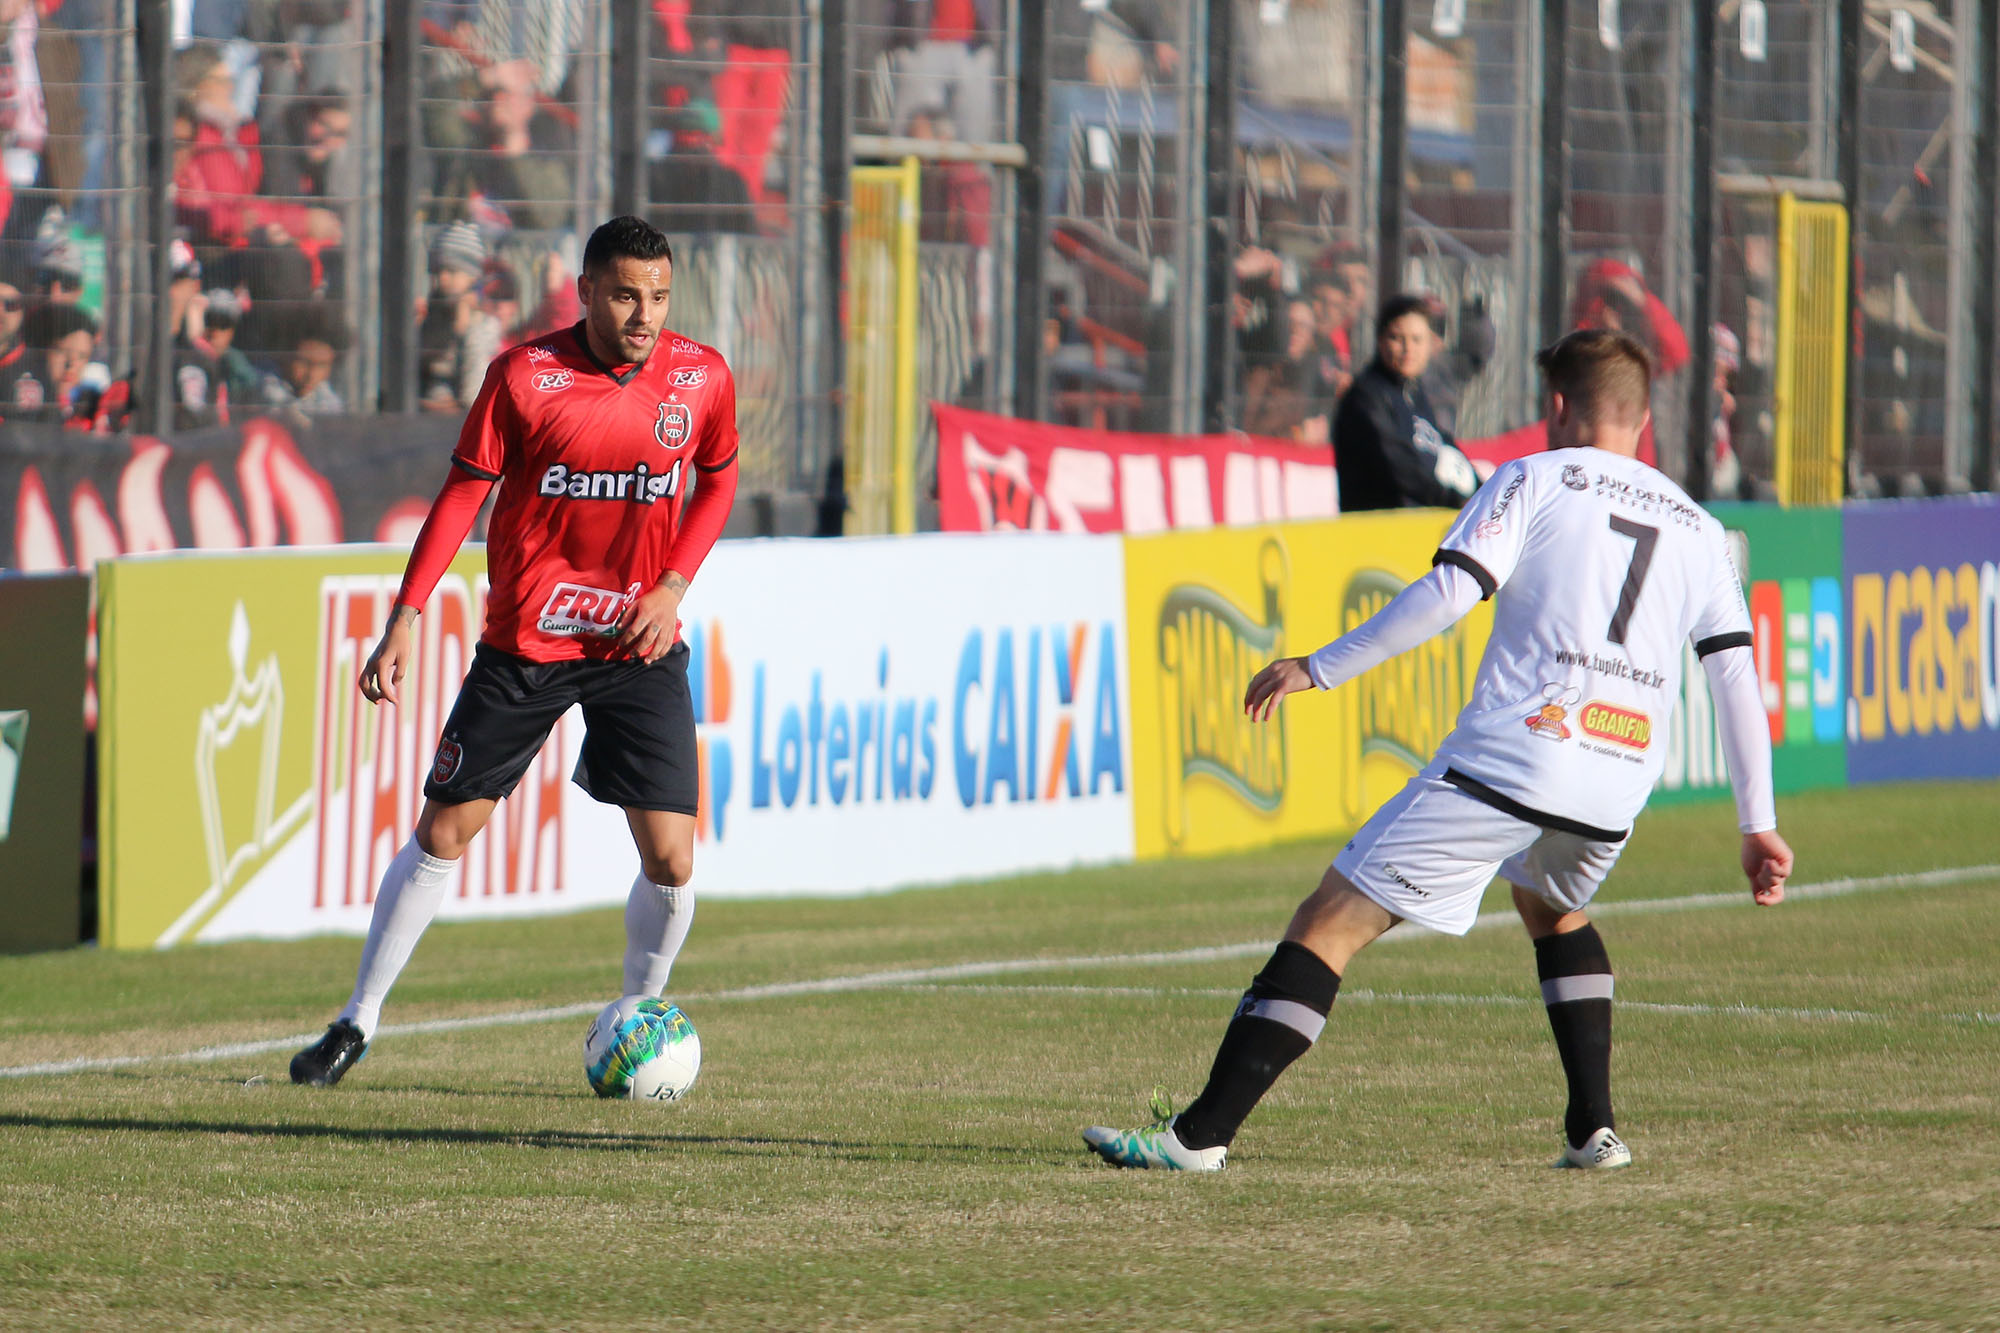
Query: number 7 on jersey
{"x": 1644, "y": 538}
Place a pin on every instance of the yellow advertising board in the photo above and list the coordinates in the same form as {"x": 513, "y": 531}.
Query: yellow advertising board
{"x": 1208, "y": 609}
{"x": 229, "y": 723}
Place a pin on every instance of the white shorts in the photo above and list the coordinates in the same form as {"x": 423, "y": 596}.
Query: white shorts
{"x": 1428, "y": 854}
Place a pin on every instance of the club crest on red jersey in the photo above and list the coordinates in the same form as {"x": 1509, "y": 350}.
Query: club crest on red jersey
{"x": 449, "y": 756}
{"x": 675, "y": 426}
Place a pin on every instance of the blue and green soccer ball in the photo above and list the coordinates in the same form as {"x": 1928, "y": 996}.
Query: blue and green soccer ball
{"x": 643, "y": 1048}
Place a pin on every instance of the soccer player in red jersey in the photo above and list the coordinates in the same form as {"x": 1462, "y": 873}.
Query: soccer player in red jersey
{"x": 596, "y": 436}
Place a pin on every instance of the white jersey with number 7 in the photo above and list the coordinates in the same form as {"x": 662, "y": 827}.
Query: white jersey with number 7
{"x": 1601, "y": 570}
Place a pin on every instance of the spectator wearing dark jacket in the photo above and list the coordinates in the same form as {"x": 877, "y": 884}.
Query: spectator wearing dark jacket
{"x": 1388, "y": 450}
{"x": 55, "y": 384}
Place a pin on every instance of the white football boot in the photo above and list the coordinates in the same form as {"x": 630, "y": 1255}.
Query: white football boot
{"x": 1600, "y": 1152}
{"x": 1153, "y": 1148}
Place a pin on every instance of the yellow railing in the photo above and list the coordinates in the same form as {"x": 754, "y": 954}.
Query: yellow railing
{"x": 1810, "y": 396}
{"x": 881, "y": 426}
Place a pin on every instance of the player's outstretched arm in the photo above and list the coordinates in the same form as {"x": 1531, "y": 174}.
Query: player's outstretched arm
{"x": 1427, "y": 607}
{"x": 1746, "y": 746}
{"x": 444, "y": 531}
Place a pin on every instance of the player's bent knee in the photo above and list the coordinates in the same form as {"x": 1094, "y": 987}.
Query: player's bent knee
{"x": 670, "y": 871}
{"x": 1337, "y": 920}
{"x": 445, "y": 831}
{"x": 1543, "y": 918}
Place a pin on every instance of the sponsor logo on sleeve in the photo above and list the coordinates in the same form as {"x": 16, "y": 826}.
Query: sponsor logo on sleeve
{"x": 550, "y": 381}
{"x": 1575, "y": 478}
{"x": 1492, "y": 525}
{"x": 1549, "y": 719}
{"x": 1620, "y": 726}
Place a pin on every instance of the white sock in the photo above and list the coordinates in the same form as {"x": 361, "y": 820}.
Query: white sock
{"x": 412, "y": 890}
{"x": 656, "y": 925}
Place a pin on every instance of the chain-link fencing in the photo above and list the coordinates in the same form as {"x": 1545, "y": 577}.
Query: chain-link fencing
{"x": 1337, "y": 155}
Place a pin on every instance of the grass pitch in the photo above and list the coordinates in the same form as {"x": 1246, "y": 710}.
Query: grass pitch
{"x": 1810, "y": 1093}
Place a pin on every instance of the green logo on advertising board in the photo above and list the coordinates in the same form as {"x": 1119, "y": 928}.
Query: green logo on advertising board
{"x": 13, "y": 750}
{"x": 236, "y": 759}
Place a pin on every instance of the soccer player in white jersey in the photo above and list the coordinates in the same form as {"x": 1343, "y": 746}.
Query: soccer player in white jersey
{"x": 1601, "y": 569}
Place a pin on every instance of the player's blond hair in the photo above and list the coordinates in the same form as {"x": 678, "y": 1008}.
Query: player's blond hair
{"x": 1604, "y": 375}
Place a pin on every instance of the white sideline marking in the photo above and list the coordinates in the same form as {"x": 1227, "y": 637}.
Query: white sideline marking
{"x": 1475, "y": 1001}
{"x": 904, "y": 978}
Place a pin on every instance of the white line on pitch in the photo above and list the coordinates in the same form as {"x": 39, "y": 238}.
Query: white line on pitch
{"x": 1475, "y": 1001}
{"x": 1001, "y": 967}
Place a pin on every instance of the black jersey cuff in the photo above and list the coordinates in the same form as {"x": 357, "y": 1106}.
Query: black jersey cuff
{"x": 717, "y": 467}
{"x": 1488, "y": 585}
{"x": 1716, "y": 643}
{"x": 476, "y": 471}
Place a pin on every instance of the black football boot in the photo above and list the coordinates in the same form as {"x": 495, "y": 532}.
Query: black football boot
{"x": 324, "y": 1062}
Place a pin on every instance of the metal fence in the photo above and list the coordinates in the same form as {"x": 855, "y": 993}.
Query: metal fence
{"x": 74, "y": 296}
{"x": 1134, "y": 213}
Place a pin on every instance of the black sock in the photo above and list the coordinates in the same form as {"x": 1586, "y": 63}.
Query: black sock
{"x": 1576, "y": 986}
{"x": 1275, "y": 1023}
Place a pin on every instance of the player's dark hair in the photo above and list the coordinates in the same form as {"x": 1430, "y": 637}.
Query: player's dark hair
{"x": 625, "y": 238}
{"x": 1601, "y": 373}
{"x": 1399, "y": 305}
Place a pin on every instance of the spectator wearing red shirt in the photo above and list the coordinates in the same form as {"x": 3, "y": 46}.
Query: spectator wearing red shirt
{"x": 218, "y": 180}
{"x": 752, "y": 85}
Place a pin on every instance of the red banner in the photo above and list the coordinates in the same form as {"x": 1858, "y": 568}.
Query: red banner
{"x": 999, "y": 473}
{"x": 69, "y": 499}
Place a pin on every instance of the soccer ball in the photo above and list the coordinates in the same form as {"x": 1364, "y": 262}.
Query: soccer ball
{"x": 641, "y": 1047}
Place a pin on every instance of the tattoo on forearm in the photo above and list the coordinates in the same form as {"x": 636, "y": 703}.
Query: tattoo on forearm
{"x": 402, "y": 615}
{"x": 673, "y": 582}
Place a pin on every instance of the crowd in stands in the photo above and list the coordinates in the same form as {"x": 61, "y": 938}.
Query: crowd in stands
{"x": 268, "y": 172}
{"x": 1301, "y": 314}
{"x": 269, "y": 191}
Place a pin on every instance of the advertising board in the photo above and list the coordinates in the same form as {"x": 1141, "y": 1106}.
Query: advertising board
{"x": 1208, "y": 609}
{"x": 1923, "y": 611}
{"x": 43, "y": 624}
{"x": 1789, "y": 560}
{"x": 871, "y": 714}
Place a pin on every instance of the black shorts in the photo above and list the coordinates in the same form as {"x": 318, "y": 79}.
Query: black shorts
{"x": 638, "y": 743}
